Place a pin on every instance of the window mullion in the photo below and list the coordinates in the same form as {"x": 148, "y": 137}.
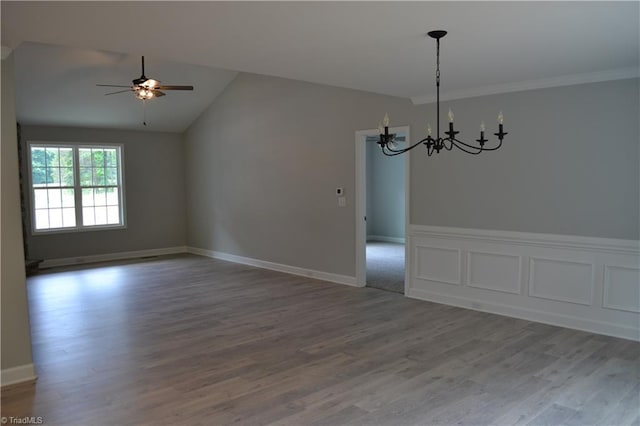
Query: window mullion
{"x": 77, "y": 188}
{"x": 93, "y": 179}
{"x": 46, "y": 185}
{"x": 120, "y": 184}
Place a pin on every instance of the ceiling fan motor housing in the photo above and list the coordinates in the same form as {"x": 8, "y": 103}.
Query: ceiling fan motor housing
{"x": 139, "y": 81}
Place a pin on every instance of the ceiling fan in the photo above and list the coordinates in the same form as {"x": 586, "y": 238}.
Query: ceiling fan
{"x": 145, "y": 88}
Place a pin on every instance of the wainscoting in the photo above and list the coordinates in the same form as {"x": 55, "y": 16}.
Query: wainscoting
{"x": 590, "y": 284}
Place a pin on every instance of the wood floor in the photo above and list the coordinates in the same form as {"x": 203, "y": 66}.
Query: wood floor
{"x": 188, "y": 340}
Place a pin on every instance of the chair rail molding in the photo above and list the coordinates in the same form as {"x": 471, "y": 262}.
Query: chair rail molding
{"x": 586, "y": 283}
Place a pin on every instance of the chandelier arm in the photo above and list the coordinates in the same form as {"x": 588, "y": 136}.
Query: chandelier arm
{"x": 444, "y": 145}
{"x": 463, "y": 147}
{"x": 394, "y": 154}
{"x": 403, "y": 150}
{"x": 481, "y": 148}
{"x": 469, "y": 146}
{"x": 494, "y": 148}
{"x": 388, "y": 153}
{"x": 388, "y": 148}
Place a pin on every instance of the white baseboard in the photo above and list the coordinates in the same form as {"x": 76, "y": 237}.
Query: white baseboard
{"x": 80, "y": 260}
{"x": 385, "y": 239}
{"x": 14, "y": 375}
{"x": 585, "y": 283}
{"x": 577, "y": 323}
{"x": 294, "y": 270}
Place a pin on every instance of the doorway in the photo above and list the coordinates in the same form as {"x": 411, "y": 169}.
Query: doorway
{"x": 382, "y": 200}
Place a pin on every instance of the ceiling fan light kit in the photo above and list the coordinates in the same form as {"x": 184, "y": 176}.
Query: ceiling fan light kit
{"x": 437, "y": 144}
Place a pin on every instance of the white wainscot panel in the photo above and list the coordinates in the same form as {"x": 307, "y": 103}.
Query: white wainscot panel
{"x": 494, "y": 271}
{"x": 621, "y": 288}
{"x": 561, "y": 280}
{"x": 438, "y": 264}
{"x": 585, "y": 283}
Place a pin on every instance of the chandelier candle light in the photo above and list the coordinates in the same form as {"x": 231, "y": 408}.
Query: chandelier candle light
{"x": 387, "y": 140}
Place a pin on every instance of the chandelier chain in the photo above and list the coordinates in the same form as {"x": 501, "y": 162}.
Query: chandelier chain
{"x": 438, "y": 90}
{"x": 438, "y": 64}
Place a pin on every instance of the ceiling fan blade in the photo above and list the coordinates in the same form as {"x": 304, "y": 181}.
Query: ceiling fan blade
{"x": 157, "y": 93}
{"x": 164, "y": 87}
{"x": 110, "y": 85}
{"x": 119, "y": 91}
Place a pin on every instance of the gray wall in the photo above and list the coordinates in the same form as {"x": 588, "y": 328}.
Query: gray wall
{"x": 154, "y": 191}
{"x": 569, "y": 165}
{"x": 265, "y": 158}
{"x": 385, "y": 193}
{"x": 16, "y": 342}
{"x": 264, "y": 162}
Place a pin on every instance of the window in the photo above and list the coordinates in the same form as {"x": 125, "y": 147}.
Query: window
{"x": 76, "y": 187}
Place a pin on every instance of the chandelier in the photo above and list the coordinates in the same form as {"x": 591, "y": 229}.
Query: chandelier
{"x": 437, "y": 144}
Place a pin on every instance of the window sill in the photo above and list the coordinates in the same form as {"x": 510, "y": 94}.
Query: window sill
{"x": 76, "y": 230}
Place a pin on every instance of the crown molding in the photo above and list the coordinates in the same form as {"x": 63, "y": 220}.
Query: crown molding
{"x": 565, "y": 80}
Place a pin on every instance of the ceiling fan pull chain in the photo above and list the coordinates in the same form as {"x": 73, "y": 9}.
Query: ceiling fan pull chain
{"x": 144, "y": 112}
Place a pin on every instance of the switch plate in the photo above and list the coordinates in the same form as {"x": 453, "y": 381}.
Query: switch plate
{"x": 342, "y": 201}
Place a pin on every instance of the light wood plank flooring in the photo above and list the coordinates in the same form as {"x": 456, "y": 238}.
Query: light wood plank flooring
{"x": 188, "y": 340}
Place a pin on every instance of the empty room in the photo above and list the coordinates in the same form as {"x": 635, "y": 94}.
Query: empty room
{"x": 320, "y": 213}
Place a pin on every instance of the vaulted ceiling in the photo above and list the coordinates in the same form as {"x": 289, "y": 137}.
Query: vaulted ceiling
{"x": 56, "y": 85}
{"x": 374, "y": 46}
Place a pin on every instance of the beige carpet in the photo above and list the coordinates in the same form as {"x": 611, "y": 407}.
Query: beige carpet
{"x": 385, "y": 266}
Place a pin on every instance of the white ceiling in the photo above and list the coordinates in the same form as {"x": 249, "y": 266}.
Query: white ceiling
{"x": 374, "y": 46}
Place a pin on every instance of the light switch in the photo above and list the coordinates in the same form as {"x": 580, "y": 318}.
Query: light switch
{"x": 342, "y": 201}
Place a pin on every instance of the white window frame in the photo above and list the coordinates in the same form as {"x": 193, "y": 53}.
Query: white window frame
{"x": 76, "y": 146}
